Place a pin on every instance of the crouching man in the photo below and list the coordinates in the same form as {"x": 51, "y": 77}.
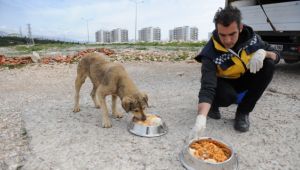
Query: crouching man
{"x": 235, "y": 60}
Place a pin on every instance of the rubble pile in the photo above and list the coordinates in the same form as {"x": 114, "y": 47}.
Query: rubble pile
{"x": 51, "y": 59}
{"x": 120, "y": 55}
{"x": 153, "y": 55}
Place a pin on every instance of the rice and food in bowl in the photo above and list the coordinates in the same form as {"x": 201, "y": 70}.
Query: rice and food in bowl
{"x": 209, "y": 153}
{"x": 210, "y": 150}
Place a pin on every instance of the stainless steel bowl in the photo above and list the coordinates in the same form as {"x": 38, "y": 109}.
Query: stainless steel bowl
{"x": 147, "y": 131}
{"x": 192, "y": 163}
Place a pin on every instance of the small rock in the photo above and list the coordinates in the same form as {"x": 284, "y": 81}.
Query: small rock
{"x": 180, "y": 74}
{"x": 190, "y": 61}
{"x": 35, "y": 57}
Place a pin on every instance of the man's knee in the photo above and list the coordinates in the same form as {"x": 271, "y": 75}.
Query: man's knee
{"x": 269, "y": 67}
{"x": 225, "y": 93}
{"x": 226, "y": 99}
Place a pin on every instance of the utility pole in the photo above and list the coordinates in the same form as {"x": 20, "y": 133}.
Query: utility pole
{"x": 136, "y": 4}
{"x": 20, "y": 31}
{"x": 87, "y": 29}
{"x": 30, "y": 39}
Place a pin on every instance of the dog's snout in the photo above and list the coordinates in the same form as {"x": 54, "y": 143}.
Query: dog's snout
{"x": 144, "y": 117}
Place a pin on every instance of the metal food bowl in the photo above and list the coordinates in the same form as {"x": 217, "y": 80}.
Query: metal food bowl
{"x": 190, "y": 162}
{"x": 147, "y": 130}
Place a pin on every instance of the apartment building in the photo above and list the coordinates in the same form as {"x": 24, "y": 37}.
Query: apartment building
{"x": 103, "y": 36}
{"x": 149, "y": 34}
{"x": 114, "y": 36}
{"x": 171, "y": 35}
{"x": 184, "y": 33}
{"x": 119, "y": 35}
{"x": 193, "y": 34}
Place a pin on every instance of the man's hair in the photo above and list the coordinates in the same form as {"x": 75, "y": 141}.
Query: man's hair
{"x": 227, "y": 16}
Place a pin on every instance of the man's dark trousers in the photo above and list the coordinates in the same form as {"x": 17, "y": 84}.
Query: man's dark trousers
{"x": 255, "y": 84}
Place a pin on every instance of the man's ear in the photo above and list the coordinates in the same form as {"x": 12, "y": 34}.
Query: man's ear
{"x": 127, "y": 103}
{"x": 145, "y": 98}
{"x": 241, "y": 27}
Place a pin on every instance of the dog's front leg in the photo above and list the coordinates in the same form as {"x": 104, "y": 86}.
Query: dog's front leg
{"x": 105, "y": 117}
{"x": 78, "y": 83}
{"x": 115, "y": 113}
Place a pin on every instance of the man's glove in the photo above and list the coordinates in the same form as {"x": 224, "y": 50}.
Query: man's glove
{"x": 257, "y": 61}
{"x": 198, "y": 129}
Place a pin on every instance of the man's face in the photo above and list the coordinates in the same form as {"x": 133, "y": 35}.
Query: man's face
{"x": 229, "y": 35}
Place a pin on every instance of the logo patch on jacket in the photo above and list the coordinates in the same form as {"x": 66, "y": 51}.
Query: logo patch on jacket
{"x": 224, "y": 61}
{"x": 253, "y": 45}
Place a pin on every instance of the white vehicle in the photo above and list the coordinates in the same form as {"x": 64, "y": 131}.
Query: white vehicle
{"x": 276, "y": 21}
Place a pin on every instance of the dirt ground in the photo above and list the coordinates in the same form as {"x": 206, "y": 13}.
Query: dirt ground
{"x": 38, "y": 129}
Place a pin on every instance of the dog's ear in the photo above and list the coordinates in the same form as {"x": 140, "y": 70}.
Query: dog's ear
{"x": 145, "y": 98}
{"x": 127, "y": 103}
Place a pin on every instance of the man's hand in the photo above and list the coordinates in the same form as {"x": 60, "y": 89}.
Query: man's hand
{"x": 257, "y": 61}
{"x": 199, "y": 128}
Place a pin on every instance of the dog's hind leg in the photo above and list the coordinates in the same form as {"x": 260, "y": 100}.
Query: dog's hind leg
{"x": 105, "y": 117}
{"x": 80, "y": 79}
{"x": 93, "y": 95}
{"x": 115, "y": 113}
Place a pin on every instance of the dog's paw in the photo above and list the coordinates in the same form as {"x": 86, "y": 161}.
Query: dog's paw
{"x": 98, "y": 106}
{"x": 118, "y": 115}
{"x": 76, "y": 109}
{"x": 106, "y": 124}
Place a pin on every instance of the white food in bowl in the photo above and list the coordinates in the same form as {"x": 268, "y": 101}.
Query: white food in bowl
{"x": 152, "y": 120}
{"x": 156, "y": 121}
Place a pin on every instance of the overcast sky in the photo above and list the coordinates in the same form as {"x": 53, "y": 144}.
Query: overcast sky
{"x": 68, "y": 18}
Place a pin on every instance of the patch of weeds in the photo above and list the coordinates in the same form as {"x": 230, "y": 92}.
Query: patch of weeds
{"x": 152, "y": 58}
{"x": 12, "y": 66}
{"x": 40, "y": 47}
{"x": 141, "y": 48}
{"x": 181, "y": 57}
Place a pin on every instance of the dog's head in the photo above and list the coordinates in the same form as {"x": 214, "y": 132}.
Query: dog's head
{"x": 136, "y": 104}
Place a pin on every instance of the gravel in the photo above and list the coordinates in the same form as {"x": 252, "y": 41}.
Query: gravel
{"x": 38, "y": 129}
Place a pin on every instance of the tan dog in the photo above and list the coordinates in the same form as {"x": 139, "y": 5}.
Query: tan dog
{"x": 109, "y": 79}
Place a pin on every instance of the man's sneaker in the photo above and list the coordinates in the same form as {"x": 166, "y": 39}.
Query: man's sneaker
{"x": 214, "y": 114}
{"x": 242, "y": 123}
